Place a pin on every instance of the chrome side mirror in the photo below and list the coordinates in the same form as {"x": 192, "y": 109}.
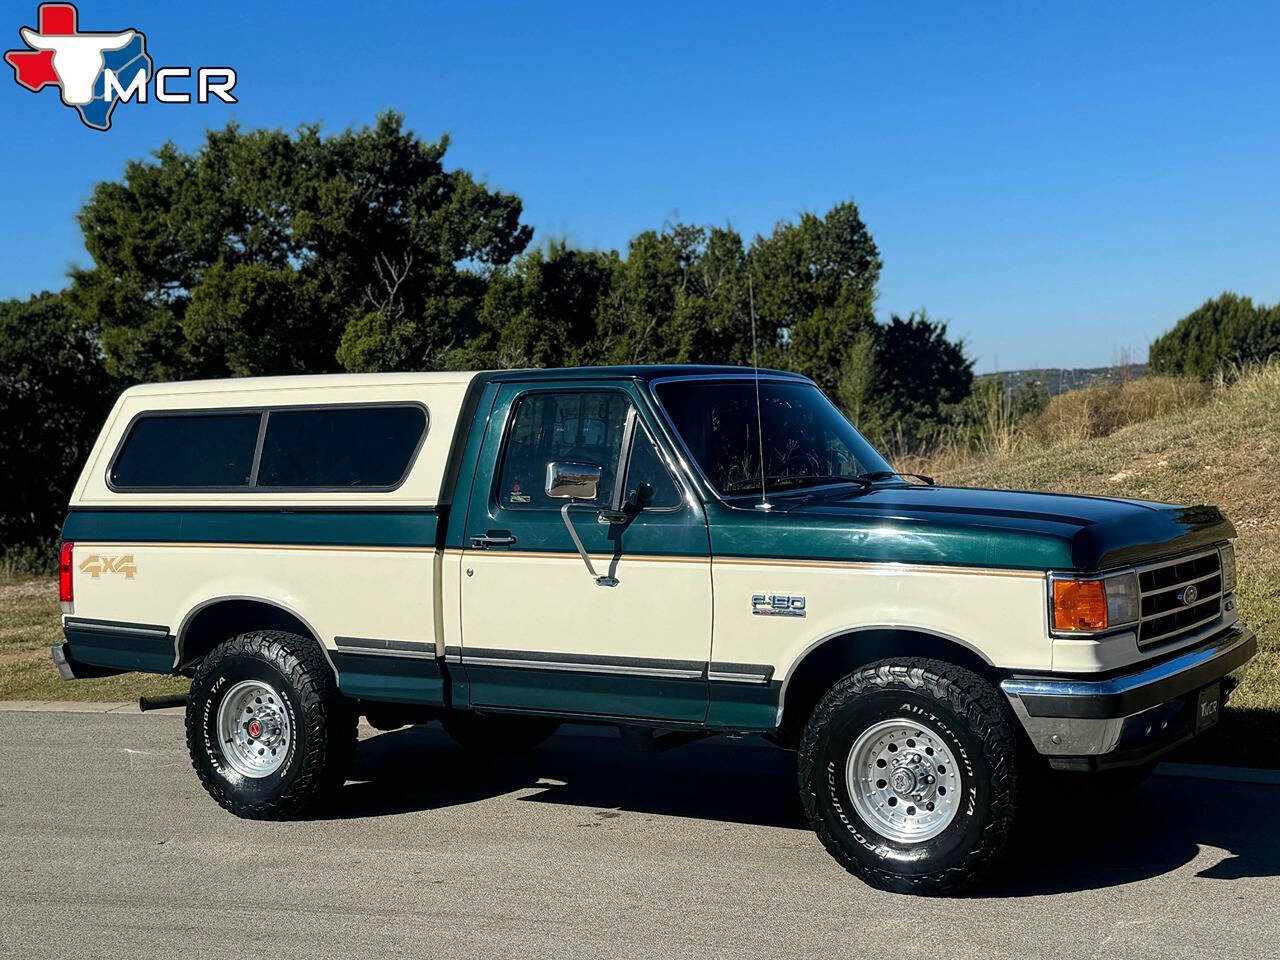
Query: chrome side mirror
{"x": 578, "y": 485}
{"x": 579, "y": 482}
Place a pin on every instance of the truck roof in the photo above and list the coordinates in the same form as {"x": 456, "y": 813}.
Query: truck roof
{"x": 322, "y": 380}
{"x": 641, "y": 371}
{"x": 645, "y": 371}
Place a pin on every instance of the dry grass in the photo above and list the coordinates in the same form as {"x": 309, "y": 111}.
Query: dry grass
{"x": 1095, "y": 411}
{"x": 1225, "y": 451}
{"x": 1105, "y": 408}
{"x": 29, "y": 625}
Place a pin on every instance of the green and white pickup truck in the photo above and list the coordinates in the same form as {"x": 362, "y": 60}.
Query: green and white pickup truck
{"x": 674, "y": 550}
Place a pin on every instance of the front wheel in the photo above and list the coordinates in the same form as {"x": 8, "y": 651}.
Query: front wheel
{"x": 908, "y": 774}
{"x": 268, "y": 732}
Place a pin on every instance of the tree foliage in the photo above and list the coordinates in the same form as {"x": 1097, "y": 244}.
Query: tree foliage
{"x": 54, "y": 395}
{"x": 1227, "y": 331}
{"x": 692, "y": 294}
{"x": 265, "y": 253}
{"x": 918, "y": 376}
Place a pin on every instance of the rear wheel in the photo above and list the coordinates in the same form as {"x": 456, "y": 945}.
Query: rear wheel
{"x": 908, "y": 774}
{"x": 268, "y": 733}
{"x": 495, "y": 735}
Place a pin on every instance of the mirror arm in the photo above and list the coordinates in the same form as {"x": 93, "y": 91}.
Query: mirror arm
{"x": 582, "y": 551}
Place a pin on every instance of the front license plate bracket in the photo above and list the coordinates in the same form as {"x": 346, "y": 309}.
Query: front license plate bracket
{"x": 1208, "y": 706}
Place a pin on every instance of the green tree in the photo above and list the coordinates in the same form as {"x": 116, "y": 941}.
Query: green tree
{"x": 267, "y": 253}
{"x": 1228, "y": 330}
{"x": 543, "y": 312}
{"x": 904, "y": 380}
{"x": 54, "y": 395}
{"x": 684, "y": 294}
{"x": 815, "y": 284}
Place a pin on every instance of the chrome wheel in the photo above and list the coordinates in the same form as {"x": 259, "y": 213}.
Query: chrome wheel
{"x": 254, "y": 733}
{"x": 903, "y": 780}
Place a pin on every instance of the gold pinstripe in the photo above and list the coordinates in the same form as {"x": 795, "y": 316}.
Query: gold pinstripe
{"x": 886, "y": 567}
{"x": 860, "y": 565}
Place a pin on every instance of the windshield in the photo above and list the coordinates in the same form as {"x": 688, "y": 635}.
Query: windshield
{"x": 807, "y": 441}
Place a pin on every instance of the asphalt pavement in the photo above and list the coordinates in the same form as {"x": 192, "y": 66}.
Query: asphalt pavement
{"x": 109, "y": 848}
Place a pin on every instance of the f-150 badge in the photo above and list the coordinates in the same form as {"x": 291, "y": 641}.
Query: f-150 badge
{"x": 777, "y": 605}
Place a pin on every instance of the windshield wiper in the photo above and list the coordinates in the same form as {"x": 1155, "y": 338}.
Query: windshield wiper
{"x": 890, "y": 474}
{"x": 792, "y": 482}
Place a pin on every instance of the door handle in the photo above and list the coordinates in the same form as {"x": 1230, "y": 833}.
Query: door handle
{"x": 485, "y": 542}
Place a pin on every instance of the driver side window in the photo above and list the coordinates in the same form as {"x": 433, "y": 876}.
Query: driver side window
{"x": 649, "y": 483}
{"x": 579, "y": 426}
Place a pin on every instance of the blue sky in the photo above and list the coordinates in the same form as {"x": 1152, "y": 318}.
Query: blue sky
{"x": 1058, "y": 182}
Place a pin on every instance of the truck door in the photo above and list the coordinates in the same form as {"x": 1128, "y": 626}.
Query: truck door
{"x": 539, "y": 630}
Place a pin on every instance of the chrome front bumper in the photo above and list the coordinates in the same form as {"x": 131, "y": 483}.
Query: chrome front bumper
{"x": 1084, "y": 724}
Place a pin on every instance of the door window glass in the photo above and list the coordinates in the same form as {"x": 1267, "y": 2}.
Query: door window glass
{"x": 649, "y": 482}
{"x": 580, "y": 427}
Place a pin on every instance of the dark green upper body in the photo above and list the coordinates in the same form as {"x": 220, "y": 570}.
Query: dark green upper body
{"x": 894, "y": 521}
{"x": 912, "y": 523}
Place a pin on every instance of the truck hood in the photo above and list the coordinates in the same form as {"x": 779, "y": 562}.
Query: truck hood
{"x": 966, "y": 526}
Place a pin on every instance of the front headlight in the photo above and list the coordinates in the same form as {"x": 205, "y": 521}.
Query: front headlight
{"x": 1124, "y": 602}
{"x": 1094, "y": 604}
{"x": 1227, "y": 553}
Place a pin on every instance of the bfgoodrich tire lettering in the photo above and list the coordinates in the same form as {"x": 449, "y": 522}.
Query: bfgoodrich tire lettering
{"x": 321, "y": 725}
{"x": 951, "y": 703}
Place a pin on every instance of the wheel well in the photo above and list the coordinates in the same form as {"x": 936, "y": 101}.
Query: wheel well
{"x": 220, "y": 620}
{"x": 839, "y": 656}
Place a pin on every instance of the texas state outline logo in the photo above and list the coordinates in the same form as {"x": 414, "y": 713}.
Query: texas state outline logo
{"x": 95, "y": 71}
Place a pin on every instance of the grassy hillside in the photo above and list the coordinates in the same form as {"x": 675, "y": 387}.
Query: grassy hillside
{"x": 1225, "y": 452}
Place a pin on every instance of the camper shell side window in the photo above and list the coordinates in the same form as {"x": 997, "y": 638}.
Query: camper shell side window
{"x": 359, "y": 447}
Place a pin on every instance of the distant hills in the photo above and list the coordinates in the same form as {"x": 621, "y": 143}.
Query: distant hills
{"x": 1062, "y": 379}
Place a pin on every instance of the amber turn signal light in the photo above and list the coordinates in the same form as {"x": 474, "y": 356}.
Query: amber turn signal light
{"x": 1079, "y": 605}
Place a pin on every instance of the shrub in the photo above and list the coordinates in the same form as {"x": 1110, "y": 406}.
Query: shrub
{"x": 1229, "y": 330}
{"x": 29, "y": 559}
{"x": 54, "y": 395}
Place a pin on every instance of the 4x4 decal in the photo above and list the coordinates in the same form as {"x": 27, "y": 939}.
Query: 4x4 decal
{"x": 95, "y": 565}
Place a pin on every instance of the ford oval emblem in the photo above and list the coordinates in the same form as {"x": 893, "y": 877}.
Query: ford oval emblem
{"x": 1189, "y": 595}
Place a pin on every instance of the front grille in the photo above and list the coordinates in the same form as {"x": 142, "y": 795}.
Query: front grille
{"x": 1166, "y": 614}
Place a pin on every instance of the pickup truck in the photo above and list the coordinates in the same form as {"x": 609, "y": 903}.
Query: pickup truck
{"x": 678, "y": 551}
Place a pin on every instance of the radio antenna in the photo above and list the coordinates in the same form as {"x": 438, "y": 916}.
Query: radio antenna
{"x": 764, "y": 503}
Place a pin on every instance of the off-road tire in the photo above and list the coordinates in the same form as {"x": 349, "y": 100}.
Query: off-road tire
{"x": 977, "y": 726}
{"x": 497, "y": 735}
{"x": 323, "y": 724}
